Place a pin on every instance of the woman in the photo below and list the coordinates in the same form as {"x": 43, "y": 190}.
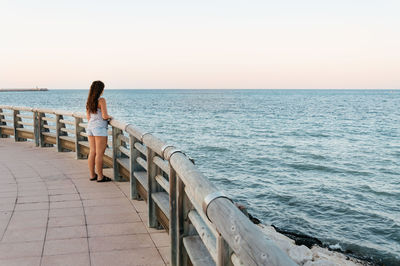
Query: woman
{"x": 96, "y": 113}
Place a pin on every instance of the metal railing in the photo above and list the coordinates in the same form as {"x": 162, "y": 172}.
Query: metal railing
{"x": 204, "y": 226}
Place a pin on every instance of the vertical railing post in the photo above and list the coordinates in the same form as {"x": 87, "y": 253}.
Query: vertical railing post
{"x": 152, "y": 187}
{"x": 78, "y": 137}
{"x": 133, "y": 166}
{"x": 223, "y": 252}
{"x": 36, "y": 127}
{"x": 41, "y": 122}
{"x": 1, "y": 123}
{"x": 116, "y": 142}
{"x": 182, "y": 225}
{"x": 173, "y": 220}
{"x": 16, "y": 119}
{"x": 58, "y": 132}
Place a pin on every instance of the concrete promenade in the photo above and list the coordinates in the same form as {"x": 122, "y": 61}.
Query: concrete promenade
{"x": 51, "y": 214}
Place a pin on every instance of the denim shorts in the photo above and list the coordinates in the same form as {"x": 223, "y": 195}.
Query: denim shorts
{"x": 97, "y": 132}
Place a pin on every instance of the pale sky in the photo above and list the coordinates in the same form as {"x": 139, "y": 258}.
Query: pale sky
{"x": 288, "y": 44}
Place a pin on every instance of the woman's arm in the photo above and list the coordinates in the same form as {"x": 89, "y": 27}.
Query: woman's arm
{"x": 87, "y": 115}
{"x": 103, "y": 107}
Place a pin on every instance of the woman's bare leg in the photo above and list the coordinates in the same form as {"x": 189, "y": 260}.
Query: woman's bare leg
{"x": 101, "y": 144}
{"x": 92, "y": 155}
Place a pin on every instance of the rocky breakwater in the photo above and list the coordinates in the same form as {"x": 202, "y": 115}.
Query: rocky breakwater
{"x": 304, "y": 250}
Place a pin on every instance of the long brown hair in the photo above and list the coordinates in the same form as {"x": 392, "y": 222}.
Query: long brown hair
{"x": 95, "y": 91}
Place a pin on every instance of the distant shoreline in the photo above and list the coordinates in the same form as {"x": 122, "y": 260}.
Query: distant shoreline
{"x": 22, "y": 89}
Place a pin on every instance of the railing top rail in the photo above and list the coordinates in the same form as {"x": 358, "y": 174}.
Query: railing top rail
{"x": 79, "y": 115}
{"x": 6, "y": 107}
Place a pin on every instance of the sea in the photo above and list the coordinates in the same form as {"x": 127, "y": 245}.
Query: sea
{"x": 325, "y": 163}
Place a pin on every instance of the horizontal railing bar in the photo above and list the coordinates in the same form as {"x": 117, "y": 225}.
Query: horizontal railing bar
{"x": 62, "y": 112}
{"x": 162, "y": 201}
{"x": 197, "y": 251}
{"x": 7, "y": 114}
{"x": 140, "y": 147}
{"x": 83, "y": 134}
{"x": 7, "y": 121}
{"x": 163, "y": 182}
{"x": 25, "y": 123}
{"x": 22, "y": 108}
{"x": 68, "y": 138}
{"x": 83, "y": 125}
{"x": 154, "y": 143}
{"x": 124, "y": 150}
{"x": 44, "y": 110}
{"x": 24, "y": 129}
{"x": 72, "y": 131}
{"x": 134, "y": 131}
{"x": 25, "y": 116}
{"x": 142, "y": 162}
{"x": 162, "y": 164}
{"x": 63, "y": 121}
{"x": 5, "y": 126}
{"x": 79, "y": 115}
{"x": 204, "y": 232}
{"x": 50, "y": 134}
{"x": 123, "y": 138}
{"x": 141, "y": 176}
{"x": 200, "y": 212}
{"x": 51, "y": 119}
{"x": 49, "y": 127}
{"x": 124, "y": 162}
{"x": 118, "y": 124}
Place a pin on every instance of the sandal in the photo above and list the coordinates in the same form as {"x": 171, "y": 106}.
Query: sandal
{"x": 105, "y": 179}
{"x": 93, "y": 178}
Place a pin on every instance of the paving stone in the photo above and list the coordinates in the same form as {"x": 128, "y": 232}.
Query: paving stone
{"x": 66, "y": 197}
{"x": 66, "y": 232}
{"x": 107, "y": 202}
{"x": 65, "y": 246}
{"x": 62, "y": 191}
{"x": 65, "y": 204}
{"x": 8, "y": 194}
{"x": 27, "y": 215}
{"x": 8, "y": 206}
{"x": 22, "y": 222}
{"x": 100, "y": 195}
{"x": 18, "y": 250}
{"x": 24, "y": 235}
{"x": 25, "y": 261}
{"x": 107, "y": 243}
{"x": 112, "y": 219}
{"x": 33, "y": 199}
{"x": 66, "y": 221}
{"x": 32, "y": 206}
{"x": 64, "y": 212}
{"x": 109, "y": 210}
{"x": 75, "y": 259}
{"x": 141, "y": 256}
{"x": 116, "y": 229}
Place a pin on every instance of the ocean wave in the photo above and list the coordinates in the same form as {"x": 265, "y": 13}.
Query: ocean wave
{"x": 387, "y": 193}
{"x": 213, "y": 149}
{"x": 326, "y": 169}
